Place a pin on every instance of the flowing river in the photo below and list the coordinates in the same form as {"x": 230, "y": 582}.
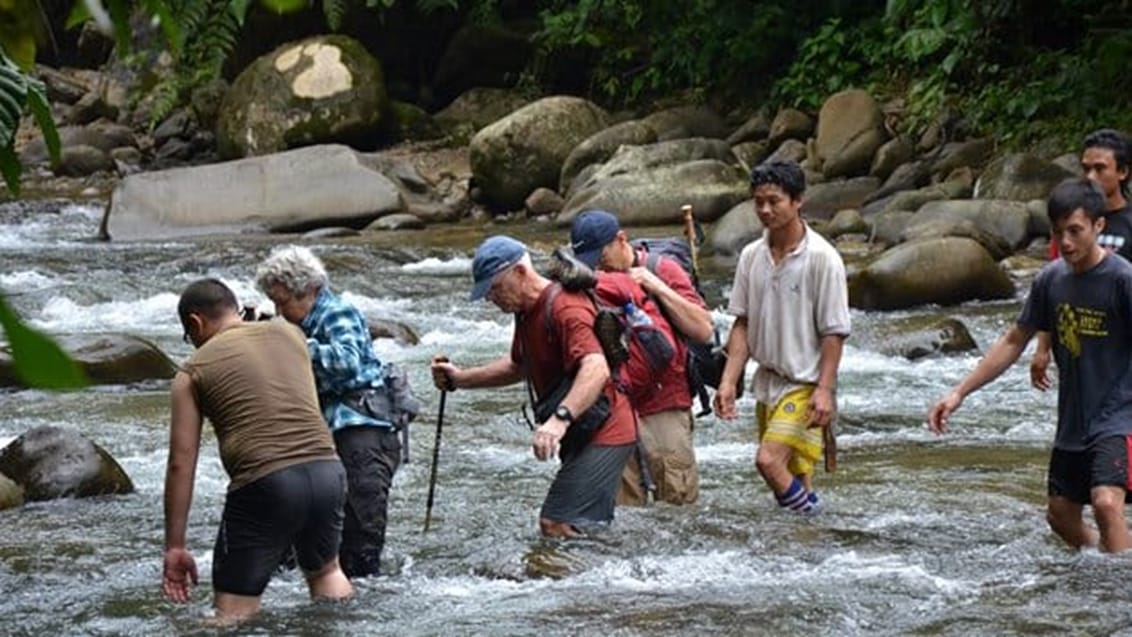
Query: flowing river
{"x": 919, "y": 535}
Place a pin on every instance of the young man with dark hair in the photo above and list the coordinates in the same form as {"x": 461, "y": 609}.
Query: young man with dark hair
{"x": 666, "y": 411}
{"x": 253, "y": 382}
{"x": 1084, "y": 300}
{"x": 791, "y": 308}
{"x": 1104, "y": 160}
{"x": 550, "y": 354}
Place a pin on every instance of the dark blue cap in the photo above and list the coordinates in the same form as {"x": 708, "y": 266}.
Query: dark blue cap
{"x": 494, "y": 255}
{"x": 591, "y": 232}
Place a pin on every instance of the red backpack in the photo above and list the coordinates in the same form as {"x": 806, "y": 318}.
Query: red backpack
{"x": 639, "y": 347}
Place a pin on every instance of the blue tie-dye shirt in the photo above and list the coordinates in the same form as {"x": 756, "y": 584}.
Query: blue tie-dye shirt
{"x": 344, "y": 361}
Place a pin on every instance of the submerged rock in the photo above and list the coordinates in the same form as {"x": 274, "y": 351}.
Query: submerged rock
{"x": 49, "y": 463}
{"x": 106, "y": 359}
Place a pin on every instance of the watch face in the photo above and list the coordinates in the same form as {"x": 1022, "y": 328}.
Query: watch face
{"x": 563, "y": 413}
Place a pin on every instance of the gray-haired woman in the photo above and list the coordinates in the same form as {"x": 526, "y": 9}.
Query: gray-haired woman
{"x": 350, "y": 381}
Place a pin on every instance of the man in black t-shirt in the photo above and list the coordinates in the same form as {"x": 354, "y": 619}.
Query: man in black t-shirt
{"x": 1084, "y": 300}
{"x": 1104, "y": 160}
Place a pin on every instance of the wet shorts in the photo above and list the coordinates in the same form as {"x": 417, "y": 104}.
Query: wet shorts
{"x": 585, "y": 489}
{"x": 1072, "y": 474}
{"x": 787, "y": 422}
{"x": 300, "y": 505}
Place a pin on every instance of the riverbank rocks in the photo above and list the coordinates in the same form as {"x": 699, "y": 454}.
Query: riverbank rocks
{"x": 735, "y": 229}
{"x": 822, "y": 201}
{"x": 325, "y": 89}
{"x": 526, "y": 149}
{"x": 654, "y": 196}
{"x": 400, "y": 332}
{"x": 11, "y": 494}
{"x": 944, "y": 271}
{"x": 681, "y": 122}
{"x": 916, "y": 337}
{"x": 850, "y": 130}
{"x": 476, "y": 108}
{"x": 49, "y": 463}
{"x": 297, "y": 190}
{"x": 1020, "y": 177}
{"x": 106, "y": 359}
{"x": 789, "y": 123}
{"x": 1007, "y": 221}
{"x": 599, "y": 147}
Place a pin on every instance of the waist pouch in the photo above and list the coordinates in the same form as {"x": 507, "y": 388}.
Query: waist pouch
{"x": 394, "y": 403}
{"x": 585, "y": 425}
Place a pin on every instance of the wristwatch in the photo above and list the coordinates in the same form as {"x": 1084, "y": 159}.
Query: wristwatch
{"x": 563, "y": 414}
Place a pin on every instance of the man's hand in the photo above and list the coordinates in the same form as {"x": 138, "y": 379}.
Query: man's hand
{"x": 180, "y": 574}
{"x": 547, "y": 437}
{"x": 1038, "y": 368}
{"x": 942, "y": 410}
{"x": 648, "y": 281}
{"x": 444, "y": 373}
{"x": 724, "y": 402}
{"x": 819, "y": 410}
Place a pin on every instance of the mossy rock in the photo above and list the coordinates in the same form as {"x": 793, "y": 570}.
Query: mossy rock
{"x": 11, "y": 494}
{"x": 325, "y": 89}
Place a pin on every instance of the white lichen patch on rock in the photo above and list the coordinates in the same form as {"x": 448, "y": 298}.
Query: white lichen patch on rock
{"x": 326, "y": 76}
{"x": 288, "y": 59}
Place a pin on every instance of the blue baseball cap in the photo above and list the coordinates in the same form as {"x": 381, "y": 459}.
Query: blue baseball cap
{"x": 591, "y": 231}
{"x": 494, "y": 255}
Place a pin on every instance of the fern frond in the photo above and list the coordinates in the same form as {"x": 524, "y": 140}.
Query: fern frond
{"x": 335, "y": 12}
{"x": 166, "y": 97}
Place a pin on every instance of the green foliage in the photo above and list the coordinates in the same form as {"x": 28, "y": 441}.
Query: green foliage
{"x": 642, "y": 48}
{"x": 19, "y": 93}
{"x": 38, "y": 360}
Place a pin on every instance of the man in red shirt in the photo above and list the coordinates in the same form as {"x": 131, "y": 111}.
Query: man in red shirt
{"x": 666, "y": 413}
{"x": 552, "y": 353}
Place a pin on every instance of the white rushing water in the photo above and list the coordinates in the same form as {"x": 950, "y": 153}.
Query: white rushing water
{"x": 920, "y": 535}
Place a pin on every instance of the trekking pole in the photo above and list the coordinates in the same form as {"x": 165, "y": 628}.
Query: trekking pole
{"x": 691, "y": 235}
{"x": 435, "y": 456}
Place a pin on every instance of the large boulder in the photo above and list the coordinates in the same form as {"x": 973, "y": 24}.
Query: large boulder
{"x": 106, "y": 359}
{"x": 913, "y": 200}
{"x": 905, "y": 177}
{"x": 477, "y": 108}
{"x": 526, "y": 149}
{"x": 655, "y": 196}
{"x": 1007, "y": 221}
{"x": 480, "y": 55}
{"x": 297, "y": 190}
{"x": 735, "y": 229}
{"x": 686, "y": 121}
{"x": 850, "y": 130}
{"x": 944, "y": 271}
{"x": 756, "y": 128}
{"x": 325, "y": 89}
{"x": 11, "y": 494}
{"x": 600, "y": 146}
{"x": 973, "y": 153}
{"x": 822, "y": 201}
{"x": 891, "y": 155}
{"x": 49, "y": 463}
{"x": 790, "y": 123}
{"x": 1020, "y": 177}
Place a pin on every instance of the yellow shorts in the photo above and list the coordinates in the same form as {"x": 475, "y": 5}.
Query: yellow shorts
{"x": 786, "y": 422}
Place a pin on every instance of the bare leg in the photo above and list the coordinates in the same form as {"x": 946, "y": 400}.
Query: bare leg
{"x": 1064, "y": 517}
{"x": 1108, "y": 508}
{"x": 550, "y": 528}
{"x": 232, "y": 608}
{"x": 329, "y": 582}
{"x": 771, "y": 461}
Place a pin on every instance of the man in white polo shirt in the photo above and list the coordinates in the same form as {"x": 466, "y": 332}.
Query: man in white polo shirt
{"x": 791, "y": 308}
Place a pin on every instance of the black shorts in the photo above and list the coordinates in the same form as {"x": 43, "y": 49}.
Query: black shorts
{"x": 585, "y": 489}
{"x": 1073, "y": 474}
{"x": 300, "y": 505}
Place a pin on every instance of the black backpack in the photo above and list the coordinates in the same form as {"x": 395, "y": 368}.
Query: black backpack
{"x": 705, "y": 360}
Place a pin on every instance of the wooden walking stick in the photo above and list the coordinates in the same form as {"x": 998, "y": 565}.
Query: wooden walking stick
{"x": 829, "y": 448}
{"x": 693, "y": 244}
{"x": 435, "y": 455}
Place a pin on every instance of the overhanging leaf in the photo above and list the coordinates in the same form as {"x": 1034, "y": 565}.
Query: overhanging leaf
{"x": 10, "y": 168}
{"x": 41, "y": 109}
{"x": 38, "y": 360}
